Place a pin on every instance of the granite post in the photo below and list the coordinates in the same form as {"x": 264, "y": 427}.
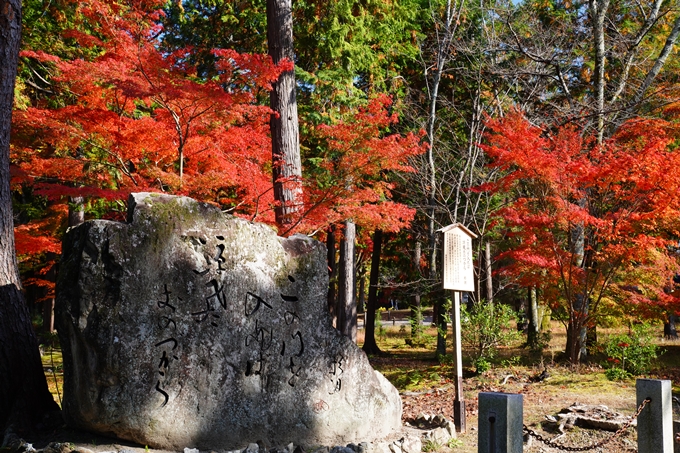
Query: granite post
{"x": 500, "y": 423}
{"x": 655, "y": 422}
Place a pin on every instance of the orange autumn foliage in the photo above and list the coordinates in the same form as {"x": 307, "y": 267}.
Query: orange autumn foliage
{"x": 621, "y": 198}
{"x": 128, "y": 117}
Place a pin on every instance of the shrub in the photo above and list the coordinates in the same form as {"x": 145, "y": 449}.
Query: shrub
{"x": 484, "y": 328}
{"x": 630, "y": 354}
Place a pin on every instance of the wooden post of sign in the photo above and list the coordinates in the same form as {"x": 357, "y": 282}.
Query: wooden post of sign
{"x": 459, "y": 400}
{"x": 458, "y": 275}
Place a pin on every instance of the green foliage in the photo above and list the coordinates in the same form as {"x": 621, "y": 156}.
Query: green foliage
{"x": 616, "y": 374}
{"x": 445, "y": 311}
{"x": 484, "y": 328}
{"x": 630, "y": 354}
{"x": 27, "y": 205}
{"x": 432, "y": 445}
{"x": 482, "y": 365}
{"x": 454, "y": 442}
{"x": 511, "y": 362}
{"x": 417, "y": 327}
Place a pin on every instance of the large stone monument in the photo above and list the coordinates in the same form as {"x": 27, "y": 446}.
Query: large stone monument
{"x": 186, "y": 327}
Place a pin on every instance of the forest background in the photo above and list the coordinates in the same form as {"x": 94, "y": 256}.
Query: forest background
{"x": 545, "y": 127}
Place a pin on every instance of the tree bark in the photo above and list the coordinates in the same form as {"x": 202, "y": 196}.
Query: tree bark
{"x": 442, "y": 325}
{"x": 534, "y": 327}
{"x": 489, "y": 280}
{"x": 362, "y": 289}
{"x": 416, "y": 307}
{"x": 598, "y": 11}
{"x": 286, "y": 163}
{"x": 347, "y": 307}
{"x": 436, "y": 69}
{"x": 332, "y": 275}
{"x": 24, "y": 397}
{"x": 10, "y": 36}
{"x": 669, "y": 329}
{"x": 370, "y": 345}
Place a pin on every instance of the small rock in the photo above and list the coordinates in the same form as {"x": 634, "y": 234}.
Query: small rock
{"x": 186, "y": 450}
{"x": 279, "y": 450}
{"x": 353, "y": 447}
{"x": 438, "y": 435}
{"x": 14, "y": 444}
{"x": 341, "y": 450}
{"x": 321, "y": 450}
{"x": 422, "y": 421}
{"x": 252, "y": 448}
{"x": 439, "y": 420}
{"x": 363, "y": 447}
{"x": 411, "y": 444}
{"x": 57, "y": 447}
{"x": 451, "y": 429}
{"x": 380, "y": 447}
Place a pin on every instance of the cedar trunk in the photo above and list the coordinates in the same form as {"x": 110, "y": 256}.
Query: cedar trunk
{"x": 347, "y": 307}
{"x": 24, "y": 397}
{"x": 370, "y": 345}
{"x": 286, "y": 163}
{"x": 534, "y": 328}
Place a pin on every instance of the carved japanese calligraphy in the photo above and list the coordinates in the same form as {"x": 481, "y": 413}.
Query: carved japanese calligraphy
{"x": 199, "y": 325}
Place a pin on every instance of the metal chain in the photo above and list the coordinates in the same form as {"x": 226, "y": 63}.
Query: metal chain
{"x": 620, "y": 431}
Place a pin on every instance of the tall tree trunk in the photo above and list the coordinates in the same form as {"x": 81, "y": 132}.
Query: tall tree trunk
{"x": 24, "y": 397}
{"x": 370, "y": 346}
{"x": 522, "y": 308}
{"x": 669, "y": 329}
{"x": 433, "y": 76}
{"x": 489, "y": 280}
{"x": 416, "y": 307}
{"x": 576, "y": 330}
{"x": 347, "y": 307}
{"x": 286, "y": 163}
{"x": 534, "y": 327}
{"x": 76, "y": 216}
{"x": 362, "y": 289}
{"x": 598, "y": 12}
{"x": 442, "y": 325}
{"x": 332, "y": 275}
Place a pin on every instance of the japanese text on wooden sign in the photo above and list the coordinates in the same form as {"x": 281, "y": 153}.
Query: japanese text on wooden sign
{"x": 458, "y": 272}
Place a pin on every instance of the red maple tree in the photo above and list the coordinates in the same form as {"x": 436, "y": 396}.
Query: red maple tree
{"x": 139, "y": 119}
{"x": 587, "y": 222}
{"x": 354, "y": 159}
{"x": 128, "y": 116}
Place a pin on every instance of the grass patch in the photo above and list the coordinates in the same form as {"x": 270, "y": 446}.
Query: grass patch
{"x": 53, "y": 366}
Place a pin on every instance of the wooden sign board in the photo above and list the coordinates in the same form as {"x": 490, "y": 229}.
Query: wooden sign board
{"x": 458, "y": 270}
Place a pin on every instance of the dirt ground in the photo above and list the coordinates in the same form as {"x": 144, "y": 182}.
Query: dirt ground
{"x": 516, "y": 372}
{"x": 540, "y": 399}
